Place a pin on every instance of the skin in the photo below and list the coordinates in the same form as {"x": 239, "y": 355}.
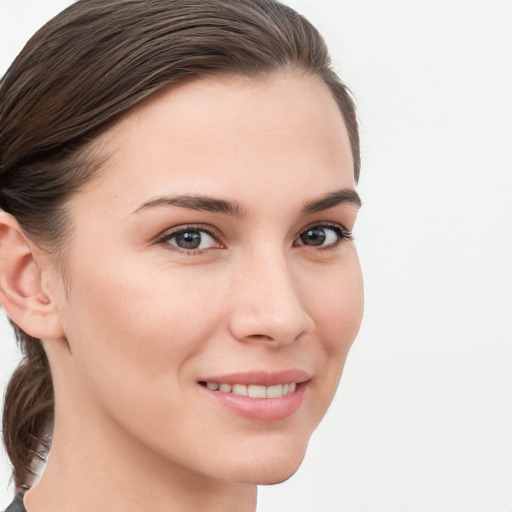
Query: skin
{"x": 138, "y": 320}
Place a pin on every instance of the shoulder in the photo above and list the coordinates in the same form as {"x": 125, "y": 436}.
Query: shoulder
{"x": 16, "y": 505}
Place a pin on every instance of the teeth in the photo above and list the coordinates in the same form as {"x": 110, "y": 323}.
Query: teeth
{"x": 257, "y": 391}
{"x": 276, "y": 391}
{"x": 239, "y": 389}
{"x": 253, "y": 390}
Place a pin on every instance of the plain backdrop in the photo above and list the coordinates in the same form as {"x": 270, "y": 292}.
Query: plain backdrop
{"x": 423, "y": 418}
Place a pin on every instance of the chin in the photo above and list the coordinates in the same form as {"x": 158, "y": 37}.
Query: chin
{"x": 274, "y": 468}
{"x": 278, "y": 478}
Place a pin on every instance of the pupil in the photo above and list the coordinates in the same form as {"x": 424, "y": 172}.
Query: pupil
{"x": 188, "y": 240}
{"x": 314, "y": 236}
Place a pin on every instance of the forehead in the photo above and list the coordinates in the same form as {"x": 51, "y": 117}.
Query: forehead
{"x": 229, "y": 134}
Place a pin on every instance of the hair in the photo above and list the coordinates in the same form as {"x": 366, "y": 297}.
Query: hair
{"x": 75, "y": 77}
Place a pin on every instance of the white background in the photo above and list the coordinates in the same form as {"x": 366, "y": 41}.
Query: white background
{"x": 423, "y": 420}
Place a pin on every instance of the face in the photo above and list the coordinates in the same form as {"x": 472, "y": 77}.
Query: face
{"x": 214, "y": 289}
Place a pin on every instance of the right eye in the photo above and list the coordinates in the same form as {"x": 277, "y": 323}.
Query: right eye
{"x": 192, "y": 240}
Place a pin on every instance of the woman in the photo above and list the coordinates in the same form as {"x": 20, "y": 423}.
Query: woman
{"x": 177, "y": 184}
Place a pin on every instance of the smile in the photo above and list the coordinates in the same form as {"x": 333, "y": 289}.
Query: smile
{"x": 253, "y": 390}
{"x": 258, "y": 396}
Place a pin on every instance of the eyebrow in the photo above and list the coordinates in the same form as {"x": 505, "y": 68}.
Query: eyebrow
{"x": 197, "y": 202}
{"x": 345, "y": 195}
{"x": 235, "y": 209}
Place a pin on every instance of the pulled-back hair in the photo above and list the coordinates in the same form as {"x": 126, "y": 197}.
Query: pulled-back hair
{"x": 74, "y": 78}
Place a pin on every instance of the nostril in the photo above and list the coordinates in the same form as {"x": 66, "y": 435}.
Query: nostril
{"x": 261, "y": 337}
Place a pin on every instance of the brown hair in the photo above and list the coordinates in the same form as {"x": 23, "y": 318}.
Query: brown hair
{"x": 74, "y": 78}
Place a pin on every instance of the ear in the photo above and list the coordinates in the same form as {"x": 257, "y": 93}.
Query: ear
{"x": 22, "y": 293}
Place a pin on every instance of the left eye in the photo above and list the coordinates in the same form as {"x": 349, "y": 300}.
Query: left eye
{"x": 323, "y": 236}
{"x": 191, "y": 239}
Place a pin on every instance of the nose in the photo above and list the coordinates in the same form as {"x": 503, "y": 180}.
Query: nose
{"x": 267, "y": 306}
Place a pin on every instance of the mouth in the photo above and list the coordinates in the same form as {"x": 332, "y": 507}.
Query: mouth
{"x": 252, "y": 390}
{"x": 257, "y": 396}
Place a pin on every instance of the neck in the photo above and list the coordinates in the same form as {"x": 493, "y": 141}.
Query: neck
{"x": 77, "y": 482}
{"x": 107, "y": 469}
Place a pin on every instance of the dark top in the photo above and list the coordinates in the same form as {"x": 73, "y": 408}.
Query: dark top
{"x": 17, "y": 504}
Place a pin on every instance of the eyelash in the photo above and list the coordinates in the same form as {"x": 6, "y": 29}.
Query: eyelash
{"x": 342, "y": 234}
{"x": 165, "y": 237}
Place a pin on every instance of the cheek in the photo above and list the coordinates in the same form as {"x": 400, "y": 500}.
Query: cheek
{"x": 132, "y": 334}
{"x": 131, "y": 320}
{"x": 338, "y": 307}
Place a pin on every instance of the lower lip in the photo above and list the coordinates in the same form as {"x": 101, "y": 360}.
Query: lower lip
{"x": 264, "y": 410}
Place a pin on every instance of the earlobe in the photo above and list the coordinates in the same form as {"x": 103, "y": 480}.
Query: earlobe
{"x": 21, "y": 290}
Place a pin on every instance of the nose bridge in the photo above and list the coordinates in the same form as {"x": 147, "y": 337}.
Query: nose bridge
{"x": 268, "y": 306}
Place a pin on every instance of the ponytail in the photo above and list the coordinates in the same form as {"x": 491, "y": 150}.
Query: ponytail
{"x": 28, "y": 411}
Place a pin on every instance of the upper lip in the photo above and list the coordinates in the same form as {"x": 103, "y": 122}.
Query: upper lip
{"x": 263, "y": 378}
